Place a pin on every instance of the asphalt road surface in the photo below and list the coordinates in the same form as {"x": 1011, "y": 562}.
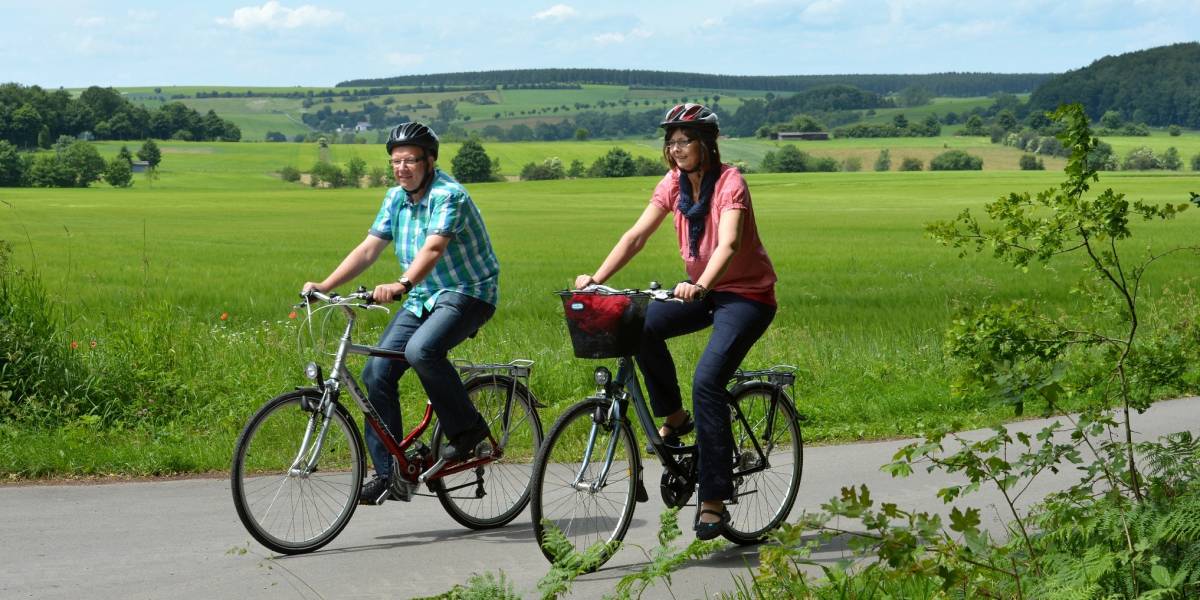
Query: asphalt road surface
{"x": 182, "y": 539}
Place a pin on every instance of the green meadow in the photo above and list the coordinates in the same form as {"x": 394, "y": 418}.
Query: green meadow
{"x": 177, "y": 292}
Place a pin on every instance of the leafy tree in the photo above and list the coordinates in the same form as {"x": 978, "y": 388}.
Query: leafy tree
{"x": 125, "y": 155}
{"x": 576, "y": 170}
{"x": 909, "y": 163}
{"x": 1196, "y": 162}
{"x": 12, "y": 168}
{"x": 974, "y": 126}
{"x": 84, "y": 161}
{"x": 472, "y": 164}
{"x": 150, "y": 153}
{"x": 1111, "y": 120}
{"x": 615, "y": 163}
{"x": 900, "y": 121}
{"x": 1174, "y": 131}
{"x": 884, "y": 161}
{"x": 956, "y": 160}
{"x": 355, "y": 169}
{"x": 118, "y": 172}
{"x": 581, "y": 134}
{"x": 49, "y": 170}
{"x": 447, "y": 110}
{"x": 647, "y": 166}
{"x": 1006, "y": 120}
{"x": 275, "y": 136}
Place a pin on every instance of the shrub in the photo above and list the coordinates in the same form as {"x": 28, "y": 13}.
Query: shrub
{"x": 911, "y": 164}
{"x": 1030, "y": 162}
{"x": 852, "y": 164}
{"x": 551, "y": 168}
{"x": 884, "y": 161}
{"x": 1171, "y": 160}
{"x": 471, "y": 164}
{"x": 1174, "y": 131}
{"x": 379, "y": 177}
{"x": 1141, "y": 159}
{"x": 329, "y": 174}
{"x": 956, "y": 160}
{"x": 616, "y": 163}
{"x": 1196, "y": 162}
{"x": 289, "y": 173}
{"x": 118, "y": 173}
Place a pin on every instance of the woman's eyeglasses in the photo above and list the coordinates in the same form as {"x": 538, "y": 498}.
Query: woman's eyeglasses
{"x": 679, "y": 144}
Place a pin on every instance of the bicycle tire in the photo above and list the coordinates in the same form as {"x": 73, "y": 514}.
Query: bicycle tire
{"x": 493, "y": 494}
{"x": 287, "y": 512}
{"x": 763, "y": 498}
{"x": 585, "y": 517}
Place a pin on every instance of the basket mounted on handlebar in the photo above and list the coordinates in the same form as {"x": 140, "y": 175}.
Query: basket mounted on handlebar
{"x": 604, "y": 324}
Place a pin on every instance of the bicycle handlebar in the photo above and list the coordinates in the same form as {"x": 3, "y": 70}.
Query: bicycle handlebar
{"x": 655, "y": 292}
{"x": 351, "y": 299}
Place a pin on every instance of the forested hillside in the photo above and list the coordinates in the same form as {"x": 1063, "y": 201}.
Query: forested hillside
{"x": 940, "y": 84}
{"x": 1159, "y": 86}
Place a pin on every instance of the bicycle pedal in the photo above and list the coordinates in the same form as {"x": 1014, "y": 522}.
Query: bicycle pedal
{"x": 403, "y": 490}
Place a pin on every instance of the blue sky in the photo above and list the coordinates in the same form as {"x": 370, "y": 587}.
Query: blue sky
{"x": 316, "y": 42}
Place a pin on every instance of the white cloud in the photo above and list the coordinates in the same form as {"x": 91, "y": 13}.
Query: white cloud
{"x": 605, "y": 39}
{"x": 90, "y": 21}
{"x": 273, "y": 15}
{"x": 558, "y": 12}
{"x": 405, "y": 60}
{"x": 710, "y": 23}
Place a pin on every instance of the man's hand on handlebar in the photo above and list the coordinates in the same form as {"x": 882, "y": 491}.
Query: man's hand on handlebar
{"x": 387, "y": 292}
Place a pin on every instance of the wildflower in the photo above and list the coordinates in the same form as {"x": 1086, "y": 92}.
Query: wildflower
{"x": 292, "y": 315}
{"x": 93, "y": 344}
{"x": 224, "y": 316}
{"x": 74, "y": 344}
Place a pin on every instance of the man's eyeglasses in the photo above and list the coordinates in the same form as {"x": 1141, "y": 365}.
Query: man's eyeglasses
{"x": 679, "y": 144}
{"x": 407, "y": 162}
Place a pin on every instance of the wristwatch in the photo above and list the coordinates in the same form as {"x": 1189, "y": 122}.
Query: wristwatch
{"x": 406, "y": 282}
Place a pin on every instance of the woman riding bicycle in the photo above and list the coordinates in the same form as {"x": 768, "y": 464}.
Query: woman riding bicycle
{"x": 730, "y": 286}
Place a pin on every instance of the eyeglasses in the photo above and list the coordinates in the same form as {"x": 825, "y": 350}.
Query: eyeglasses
{"x": 407, "y": 162}
{"x": 679, "y": 144}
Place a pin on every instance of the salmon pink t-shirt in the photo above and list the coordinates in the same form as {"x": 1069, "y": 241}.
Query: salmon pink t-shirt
{"x": 750, "y": 273}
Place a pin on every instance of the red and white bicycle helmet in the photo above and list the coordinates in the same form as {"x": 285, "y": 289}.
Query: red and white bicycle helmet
{"x": 690, "y": 115}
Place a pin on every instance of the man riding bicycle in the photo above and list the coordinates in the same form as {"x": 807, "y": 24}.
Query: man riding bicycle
{"x": 451, "y": 277}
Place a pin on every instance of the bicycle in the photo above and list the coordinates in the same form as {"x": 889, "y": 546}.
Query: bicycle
{"x": 587, "y": 477}
{"x": 298, "y": 464}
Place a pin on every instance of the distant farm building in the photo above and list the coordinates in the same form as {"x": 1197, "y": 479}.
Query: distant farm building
{"x": 139, "y": 166}
{"x": 362, "y": 126}
{"x": 784, "y": 136}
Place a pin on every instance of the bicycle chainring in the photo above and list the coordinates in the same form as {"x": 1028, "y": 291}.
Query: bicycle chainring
{"x": 676, "y": 490}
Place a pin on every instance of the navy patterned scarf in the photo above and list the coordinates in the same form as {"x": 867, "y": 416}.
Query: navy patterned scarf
{"x": 696, "y": 212}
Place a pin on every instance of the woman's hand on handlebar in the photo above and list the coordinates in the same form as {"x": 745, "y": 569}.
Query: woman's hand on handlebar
{"x": 689, "y": 292}
{"x": 583, "y": 281}
{"x": 387, "y": 292}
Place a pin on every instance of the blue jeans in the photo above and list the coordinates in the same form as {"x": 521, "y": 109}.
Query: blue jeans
{"x": 425, "y": 341}
{"x": 737, "y": 322}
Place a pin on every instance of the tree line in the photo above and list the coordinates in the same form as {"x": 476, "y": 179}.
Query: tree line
{"x": 941, "y": 84}
{"x": 31, "y": 117}
{"x": 1159, "y": 86}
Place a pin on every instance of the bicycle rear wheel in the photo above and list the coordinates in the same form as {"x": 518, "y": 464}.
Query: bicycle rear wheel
{"x": 764, "y": 492}
{"x": 286, "y": 506}
{"x": 567, "y": 493}
{"x": 494, "y": 494}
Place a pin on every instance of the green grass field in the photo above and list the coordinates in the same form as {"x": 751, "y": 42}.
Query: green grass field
{"x": 147, "y": 272}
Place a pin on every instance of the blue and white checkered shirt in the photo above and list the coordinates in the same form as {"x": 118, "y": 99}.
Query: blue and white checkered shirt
{"x": 469, "y": 265}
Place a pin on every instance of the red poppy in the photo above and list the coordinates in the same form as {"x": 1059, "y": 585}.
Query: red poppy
{"x": 74, "y": 344}
{"x": 224, "y": 316}
{"x": 292, "y": 315}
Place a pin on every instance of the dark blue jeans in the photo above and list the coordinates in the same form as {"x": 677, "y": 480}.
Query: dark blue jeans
{"x": 737, "y": 322}
{"x": 425, "y": 341}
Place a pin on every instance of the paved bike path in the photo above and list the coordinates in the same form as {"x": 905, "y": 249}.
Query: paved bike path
{"x": 182, "y": 539}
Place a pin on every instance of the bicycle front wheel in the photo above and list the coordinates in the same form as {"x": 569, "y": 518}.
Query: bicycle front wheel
{"x": 764, "y": 490}
{"x": 493, "y": 494}
{"x": 296, "y": 474}
{"x": 573, "y": 495}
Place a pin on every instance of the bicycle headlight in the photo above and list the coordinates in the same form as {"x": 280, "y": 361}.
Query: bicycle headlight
{"x": 313, "y": 371}
{"x": 602, "y": 376}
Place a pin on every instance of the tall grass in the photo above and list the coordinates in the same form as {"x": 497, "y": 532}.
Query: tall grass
{"x": 148, "y": 272}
